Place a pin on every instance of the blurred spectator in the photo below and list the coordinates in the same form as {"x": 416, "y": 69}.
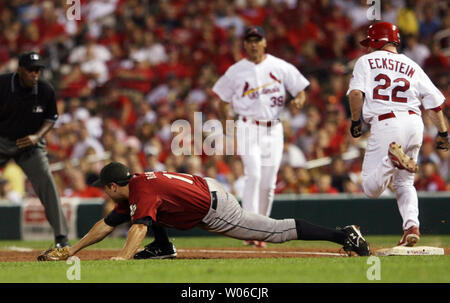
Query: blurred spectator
{"x": 389, "y": 12}
{"x": 305, "y": 181}
{"x": 350, "y": 187}
{"x": 339, "y": 175}
{"x": 428, "y": 152}
{"x": 128, "y": 69}
{"x": 85, "y": 141}
{"x": 430, "y": 23}
{"x": 357, "y": 12}
{"x": 437, "y": 63}
{"x": 322, "y": 185}
{"x": 416, "y": 51}
{"x": 292, "y": 155}
{"x": 407, "y": 21}
{"x": 288, "y": 181}
{"x": 78, "y": 186}
{"x": 229, "y": 18}
{"x": 429, "y": 178}
{"x": 13, "y": 182}
{"x": 444, "y": 165}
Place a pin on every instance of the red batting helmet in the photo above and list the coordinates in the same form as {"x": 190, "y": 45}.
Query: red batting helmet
{"x": 381, "y": 33}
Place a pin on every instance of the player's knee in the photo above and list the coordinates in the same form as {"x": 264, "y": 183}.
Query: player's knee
{"x": 402, "y": 186}
{"x": 370, "y": 191}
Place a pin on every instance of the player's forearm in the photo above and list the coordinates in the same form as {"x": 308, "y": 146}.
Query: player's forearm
{"x": 224, "y": 110}
{"x": 97, "y": 233}
{"x": 438, "y": 119}
{"x": 356, "y": 100}
{"x": 46, "y": 127}
{"x": 300, "y": 99}
{"x": 136, "y": 235}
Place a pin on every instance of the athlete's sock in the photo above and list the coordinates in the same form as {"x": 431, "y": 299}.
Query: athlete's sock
{"x": 160, "y": 234}
{"x": 308, "y": 231}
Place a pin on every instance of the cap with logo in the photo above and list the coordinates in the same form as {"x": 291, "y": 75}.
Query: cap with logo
{"x": 255, "y": 31}
{"x": 113, "y": 172}
{"x": 30, "y": 60}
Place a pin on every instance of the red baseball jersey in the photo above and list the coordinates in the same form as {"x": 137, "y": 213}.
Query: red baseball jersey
{"x": 172, "y": 199}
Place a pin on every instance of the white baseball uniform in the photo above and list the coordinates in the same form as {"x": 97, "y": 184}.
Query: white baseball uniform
{"x": 394, "y": 88}
{"x": 257, "y": 93}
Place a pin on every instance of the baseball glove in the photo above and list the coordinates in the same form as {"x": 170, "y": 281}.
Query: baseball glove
{"x": 442, "y": 142}
{"x": 54, "y": 254}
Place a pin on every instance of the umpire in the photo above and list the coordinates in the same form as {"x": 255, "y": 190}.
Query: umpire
{"x": 27, "y": 112}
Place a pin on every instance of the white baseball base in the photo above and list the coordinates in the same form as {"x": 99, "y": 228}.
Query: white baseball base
{"x": 410, "y": 251}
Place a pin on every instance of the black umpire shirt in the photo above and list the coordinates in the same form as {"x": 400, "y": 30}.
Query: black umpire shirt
{"x": 24, "y": 110}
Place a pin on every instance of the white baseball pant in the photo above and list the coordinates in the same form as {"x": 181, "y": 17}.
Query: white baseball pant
{"x": 261, "y": 151}
{"x": 407, "y": 130}
{"x": 227, "y": 217}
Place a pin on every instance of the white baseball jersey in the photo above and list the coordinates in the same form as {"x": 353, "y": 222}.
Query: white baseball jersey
{"x": 392, "y": 82}
{"x": 258, "y": 91}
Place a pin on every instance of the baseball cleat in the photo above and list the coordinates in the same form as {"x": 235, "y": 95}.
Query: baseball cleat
{"x": 354, "y": 241}
{"x": 410, "y": 237}
{"x": 61, "y": 242}
{"x": 248, "y": 242}
{"x": 153, "y": 251}
{"x": 400, "y": 160}
{"x": 260, "y": 244}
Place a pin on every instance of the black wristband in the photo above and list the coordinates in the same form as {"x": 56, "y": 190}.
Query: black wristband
{"x": 356, "y": 122}
{"x": 443, "y": 134}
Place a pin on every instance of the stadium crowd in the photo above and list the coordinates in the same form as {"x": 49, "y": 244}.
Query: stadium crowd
{"x": 126, "y": 70}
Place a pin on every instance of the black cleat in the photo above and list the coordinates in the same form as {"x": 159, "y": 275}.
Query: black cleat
{"x": 61, "y": 241}
{"x": 153, "y": 251}
{"x": 354, "y": 241}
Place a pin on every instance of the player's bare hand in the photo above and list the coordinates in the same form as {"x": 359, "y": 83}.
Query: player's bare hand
{"x": 27, "y": 141}
{"x": 299, "y": 103}
{"x": 356, "y": 129}
{"x": 442, "y": 141}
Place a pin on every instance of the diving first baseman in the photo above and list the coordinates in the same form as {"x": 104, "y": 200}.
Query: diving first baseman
{"x": 256, "y": 88}
{"x": 388, "y": 88}
{"x": 183, "y": 201}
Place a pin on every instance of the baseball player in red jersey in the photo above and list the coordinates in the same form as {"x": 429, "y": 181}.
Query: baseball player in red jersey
{"x": 256, "y": 88}
{"x": 389, "y": 88}
{"x": 183, "y": 201}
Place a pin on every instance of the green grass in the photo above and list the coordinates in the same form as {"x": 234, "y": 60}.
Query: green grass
{"x": 417, "y": 269}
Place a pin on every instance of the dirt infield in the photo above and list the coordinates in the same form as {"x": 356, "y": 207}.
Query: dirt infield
{"x": 18, "y": 255}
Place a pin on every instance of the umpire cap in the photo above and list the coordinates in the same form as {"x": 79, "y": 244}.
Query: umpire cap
{"x": 31, "y": 59}
{"x": 113, "y": 172}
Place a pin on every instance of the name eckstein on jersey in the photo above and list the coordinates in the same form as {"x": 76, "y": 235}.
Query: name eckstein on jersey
{"x": 391, "y": 64}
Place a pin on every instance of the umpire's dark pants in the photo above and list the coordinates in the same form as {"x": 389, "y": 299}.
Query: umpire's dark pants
{"x": 34, "y": 163}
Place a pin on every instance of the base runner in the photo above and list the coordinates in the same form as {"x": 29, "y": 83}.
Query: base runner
{"x": 389, "y": 89}
{"x": 184, "y": 201}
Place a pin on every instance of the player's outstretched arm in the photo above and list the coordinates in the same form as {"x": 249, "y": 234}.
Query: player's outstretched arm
{"x": 136, "y": 235}
{"x": 356, "y": 99}
{"x": 438, "y": 119}
{"x": 97, "y": 233}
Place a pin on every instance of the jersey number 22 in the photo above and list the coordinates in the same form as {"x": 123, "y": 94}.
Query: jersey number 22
{"x": 402, "y": 87}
